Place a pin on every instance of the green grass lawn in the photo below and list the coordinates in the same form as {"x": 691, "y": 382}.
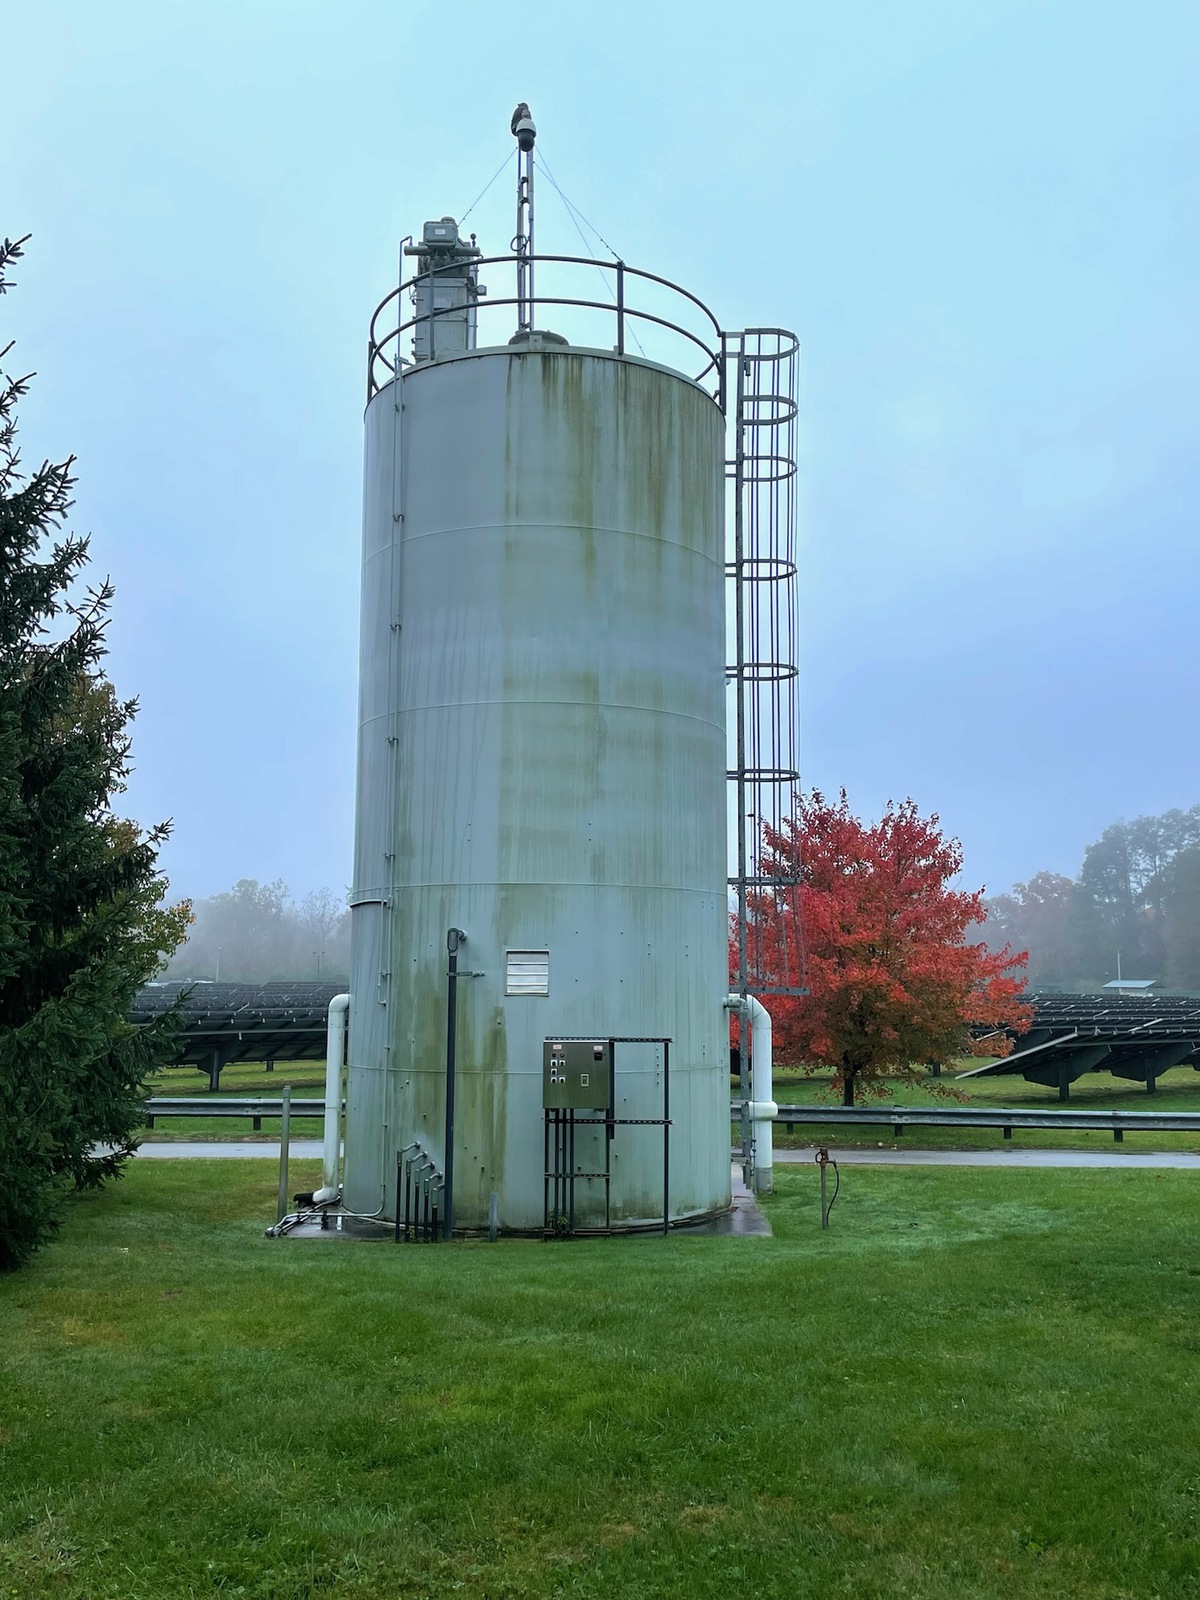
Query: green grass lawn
{"x": 977, "y": 1385}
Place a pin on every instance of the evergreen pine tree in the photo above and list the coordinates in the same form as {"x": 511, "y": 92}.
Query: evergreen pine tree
{"x": 83, "y": 923}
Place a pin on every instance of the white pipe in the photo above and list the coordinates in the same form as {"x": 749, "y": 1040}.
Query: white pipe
{"x": 761, "y": 1108}
{"x": 335, "y": 1058}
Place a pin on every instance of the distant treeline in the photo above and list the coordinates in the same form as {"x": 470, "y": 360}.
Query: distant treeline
{"x": 1138, "y": 893}
{"x": 256, "y": 932}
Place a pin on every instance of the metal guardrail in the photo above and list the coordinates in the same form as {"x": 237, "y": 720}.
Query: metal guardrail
{"x": 194, "y": 1105}
{"x": 1007, "y": 1118}
{"x": 1118, "y": 1123}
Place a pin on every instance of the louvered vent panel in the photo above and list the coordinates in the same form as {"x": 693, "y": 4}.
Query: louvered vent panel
{"x": 527, "y": 972}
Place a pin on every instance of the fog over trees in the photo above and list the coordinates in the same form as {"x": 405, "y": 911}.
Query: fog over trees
{"x": 1137, "y": 894}
{"x": 256, "y": 932}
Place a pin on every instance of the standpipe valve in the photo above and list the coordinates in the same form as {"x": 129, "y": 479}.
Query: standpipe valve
{"x": 824, "y": 1160}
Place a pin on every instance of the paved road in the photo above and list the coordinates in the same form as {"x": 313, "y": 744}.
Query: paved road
{"x": 232, "y": 1150}
{"x": 301, "y": 1149}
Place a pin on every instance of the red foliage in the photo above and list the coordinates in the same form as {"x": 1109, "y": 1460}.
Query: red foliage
{"x": 892, "y": 980}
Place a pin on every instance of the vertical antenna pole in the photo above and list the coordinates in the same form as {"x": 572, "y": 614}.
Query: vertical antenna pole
{"x": 529, "y": 255}
{"x": 525, "y": 133}
{"x": 519, "y": 247}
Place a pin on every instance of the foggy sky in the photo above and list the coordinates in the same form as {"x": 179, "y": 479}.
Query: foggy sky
{"x": 981, "y": 218}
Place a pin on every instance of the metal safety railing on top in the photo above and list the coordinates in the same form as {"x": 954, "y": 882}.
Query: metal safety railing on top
{"x": 681, "y": 347}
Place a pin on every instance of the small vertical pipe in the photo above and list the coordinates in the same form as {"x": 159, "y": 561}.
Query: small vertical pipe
{"x": 824, "y": 1211}
{"x": 432, "y": 293}
{"x": 571, "y": 1174}
{"x": 529, "y": 244}
{"x": 562, "y": 1163}
{"x": 285, "y": 1140}
{"x": 454, "y": 938}
{"x": 666, "y": 1135}
{"x": 609, "y": 1130}
{"x": 399, "y": 1173}
{"x": 558, "y": 1165}
{"x": 620, "y": 308}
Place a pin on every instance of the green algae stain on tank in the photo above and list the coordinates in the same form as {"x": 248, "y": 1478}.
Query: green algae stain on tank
{"x": 480, "y": 1107}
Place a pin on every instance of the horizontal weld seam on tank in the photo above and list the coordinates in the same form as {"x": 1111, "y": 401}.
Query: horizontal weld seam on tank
{"x": 560, "y": 527}
{"x": 598, "y": 705}
{"x": 553, "y": 883}
{"x": 521, "y": 527}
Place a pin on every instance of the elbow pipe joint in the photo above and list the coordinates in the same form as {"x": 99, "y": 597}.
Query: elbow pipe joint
{"x": 335, "y": 1059}
{"x": 761, "y": 1107}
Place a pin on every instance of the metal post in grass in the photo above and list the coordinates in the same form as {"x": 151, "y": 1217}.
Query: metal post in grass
{"x": 285, "y": 1139}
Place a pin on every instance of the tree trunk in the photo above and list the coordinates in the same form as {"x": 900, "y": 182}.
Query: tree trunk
{"x": 848, "y": 1089}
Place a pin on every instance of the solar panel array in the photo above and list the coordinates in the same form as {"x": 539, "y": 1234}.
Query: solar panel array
{"x": 242, "y": 1021}
{"x": 1133, "y": 1036}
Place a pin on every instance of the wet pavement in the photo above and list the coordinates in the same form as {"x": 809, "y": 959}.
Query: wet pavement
{"x": 743, "y": 1220}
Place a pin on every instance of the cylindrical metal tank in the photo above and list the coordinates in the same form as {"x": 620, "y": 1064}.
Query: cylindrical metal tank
{"x": 541, "y": 764}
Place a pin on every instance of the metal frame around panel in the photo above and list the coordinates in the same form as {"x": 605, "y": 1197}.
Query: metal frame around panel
{"x": 558, "y": 1134}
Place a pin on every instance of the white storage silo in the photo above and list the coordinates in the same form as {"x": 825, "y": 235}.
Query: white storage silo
{"x": 542, "y": 765}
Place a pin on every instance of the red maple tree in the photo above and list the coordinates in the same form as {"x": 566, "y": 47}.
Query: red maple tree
{"x": 892, "y": 981}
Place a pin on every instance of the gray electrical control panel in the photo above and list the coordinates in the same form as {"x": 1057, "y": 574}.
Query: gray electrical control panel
{"x": 576, "y": 1074}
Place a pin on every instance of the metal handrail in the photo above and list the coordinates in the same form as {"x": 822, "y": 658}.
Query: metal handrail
{"x": 377, "y": 346}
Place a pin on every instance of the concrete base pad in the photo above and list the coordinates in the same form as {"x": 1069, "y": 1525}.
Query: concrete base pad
{"x": 744, "y": 1219}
